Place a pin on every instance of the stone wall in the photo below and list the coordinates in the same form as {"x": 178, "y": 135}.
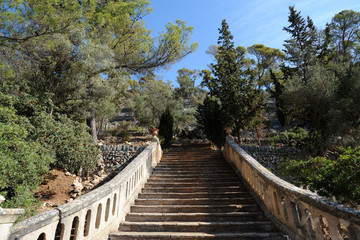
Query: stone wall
{"x": 271, "y": 156}
{"x": 116, "y": 157}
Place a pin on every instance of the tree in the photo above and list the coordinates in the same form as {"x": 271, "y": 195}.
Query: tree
{"x": 233, "y": 83}
{"x": 65, "y": 49}
{"x": 155, "y": 97}
{"x": 189, "y": 95}
{"x": 320, "y": 79}
{"x": 186, "y": 80}
{"x": 301, "y": 48}
{"x": 345, "y": 33}
{"x": 210, "y": 119}
{"x": 282, "y": 107}
{"x": 267, "y": 59}
{"x": 166, "y": 127}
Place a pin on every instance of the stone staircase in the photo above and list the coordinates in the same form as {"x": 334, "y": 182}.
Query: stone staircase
{"x": 194, "y": 194}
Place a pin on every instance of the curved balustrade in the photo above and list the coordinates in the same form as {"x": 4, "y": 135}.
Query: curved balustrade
{"x": 95, "y": 214}
{"x": 299, "y": 213}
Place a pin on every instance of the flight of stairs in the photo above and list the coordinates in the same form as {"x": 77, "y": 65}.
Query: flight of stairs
{"x": 194, "y": 194}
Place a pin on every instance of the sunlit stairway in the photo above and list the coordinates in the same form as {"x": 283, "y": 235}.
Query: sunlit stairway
{"x": 194, "y": 194}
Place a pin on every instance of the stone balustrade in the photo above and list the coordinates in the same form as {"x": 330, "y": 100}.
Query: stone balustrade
{"x": 95, "y": 214}
{"x": 299, "y": 213}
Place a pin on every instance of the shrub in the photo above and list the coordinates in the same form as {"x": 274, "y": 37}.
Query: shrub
{"x": 124, "y": 135}
{"x": 339, "y": 178}
{"x": 294, "y": 137}
{"x": 23, "y": 163}
{"x": 69, "y": 140}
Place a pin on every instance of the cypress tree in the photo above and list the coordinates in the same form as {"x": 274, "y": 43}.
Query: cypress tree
{"x": 166, "y": 127}
{"x": 233, "y": 83}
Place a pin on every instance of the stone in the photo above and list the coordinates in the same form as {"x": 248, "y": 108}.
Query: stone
{"x": 2, "y": 199}
{"x": 77, "y": 186}
{"x": 96, "y": 180}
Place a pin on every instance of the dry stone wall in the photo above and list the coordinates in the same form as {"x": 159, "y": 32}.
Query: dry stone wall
{"x": 116, "y": 157}
{"x": 271, "y": 156}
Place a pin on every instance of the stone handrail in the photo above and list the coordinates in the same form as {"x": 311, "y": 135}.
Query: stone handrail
{"x": 96, "y": 214}
{"x": 299, "y": 213}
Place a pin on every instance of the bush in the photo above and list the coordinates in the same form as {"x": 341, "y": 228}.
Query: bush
{"x": 294, "y": 137}
{"x": 69, "y": 140}
{"x": 339, "y": 178}
{"x": 124, "y": 135}
{"x": 23, "y": 163}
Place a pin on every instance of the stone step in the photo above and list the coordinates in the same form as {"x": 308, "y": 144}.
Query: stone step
{"x": 192, "y": 184}
{"x": 195, "y": 217}
{"x": 217, "y": 189}
{"x": 192, "y": 175}
{"x": 183, "y": 162}
{"x": 194, "y": 208}
{"x": 249, "y": 226}
{"x": 194, "y": 171}
{"x": 193, "y": 161}
{"x": 171, "y": 195}
{"x": 193, "y": 193}
{"x": 190, "y": 162}
{"x": 195, "y": 236}
{"x": 194, "y": 167}
{"x": 155, "y": 179}
{"x": 194, "y": 201}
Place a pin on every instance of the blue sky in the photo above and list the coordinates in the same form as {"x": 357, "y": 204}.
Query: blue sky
{"x": 250, "y": 22}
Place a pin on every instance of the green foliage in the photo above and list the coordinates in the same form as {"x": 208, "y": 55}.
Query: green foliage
{"x": 267, "y": 58}
{"x": 67, "y": 48}
{"x": 123, "y": 130}
{"x": 210, "y": 119}
{"x": 233, "y": 83}
{"x": 24, "y": 198}
{"x": 189, "y": 96}
{"x": 320, "y": 83}
{"x": 124, "y": 135}
{"x": 23, "y": 162}
{"x": 166, "y": 127}
{"x": 339, "y": 178}
{"x": 301, "y": 48}
{"x": 68, "y": 140}
{"x": 155, "y": 97}
{"x": 293, "y": 137}
{"x": 282, "y": 107}
{"x": 344, "y": 28}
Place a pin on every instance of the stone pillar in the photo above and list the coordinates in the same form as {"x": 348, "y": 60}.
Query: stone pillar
{"x": 7, "y": 219}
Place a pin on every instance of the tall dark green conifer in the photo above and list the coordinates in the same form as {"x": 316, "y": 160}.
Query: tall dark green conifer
{"x": 301, "y": 48}
{"x": 166, "y": 127}
{"x": 233, "y": 83}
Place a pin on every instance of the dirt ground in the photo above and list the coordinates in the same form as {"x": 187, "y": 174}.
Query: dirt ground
{"x": 55, "y": 190}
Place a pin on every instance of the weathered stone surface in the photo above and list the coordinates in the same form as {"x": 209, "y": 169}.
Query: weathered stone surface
{"x": 116, "y": 157}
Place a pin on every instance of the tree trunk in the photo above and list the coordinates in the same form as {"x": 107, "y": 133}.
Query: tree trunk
{"x": 91, "y": 122}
